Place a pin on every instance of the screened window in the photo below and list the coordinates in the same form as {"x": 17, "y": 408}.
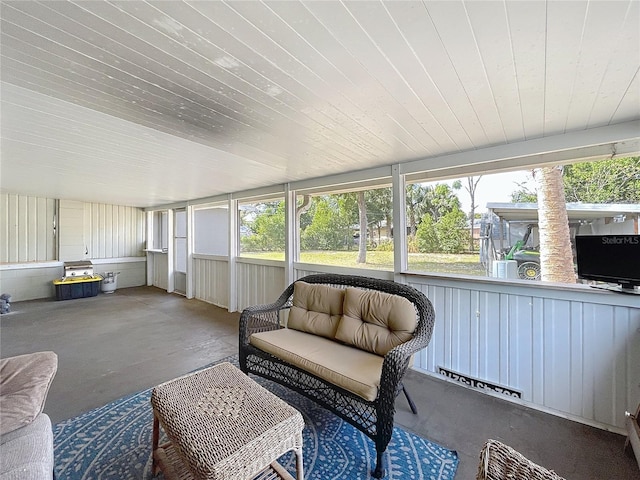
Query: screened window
{"x": 522, "y": 224}
{"x": 211, "y": 231}
{"x": 350, "y": 229}
{"x": 262, "y": 229}
{"x": 180, "y": 237}
{"x": 160, "y": 230}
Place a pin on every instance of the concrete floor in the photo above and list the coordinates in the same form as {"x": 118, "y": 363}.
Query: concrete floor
{"x": 113, "y": 345}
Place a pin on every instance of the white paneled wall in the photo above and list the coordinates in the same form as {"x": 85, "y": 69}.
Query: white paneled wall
{"x": 132, "y": 271}
{"x": 259, "y": 281}
{"x": 27, "y": 233}
{"x": 211, "y": 279}
{"x": 71, "y": 231}
{"x": 30, "y": 283}
{"x": 113, "y": 231}
{"x": 577, "y": 357}
{"x": 96, "y": 230}
{"x": 575, "y": 353}
{"x": 33, "y": 281}
{"x": 160, "y": 269}
{"x": 111, "y": 236}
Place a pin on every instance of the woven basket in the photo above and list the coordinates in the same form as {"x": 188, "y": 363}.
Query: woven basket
{"x": 501, "y": 462}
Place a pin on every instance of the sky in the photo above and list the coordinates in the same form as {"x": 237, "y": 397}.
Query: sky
{"x": 496, "y": 187}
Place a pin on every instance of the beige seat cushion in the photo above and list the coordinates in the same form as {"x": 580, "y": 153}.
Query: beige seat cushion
{"x": 376, "y": 321}
{"x": 24, "y": 385}
{"x": 316, "y": 309}
{"x": 350, "y": 368}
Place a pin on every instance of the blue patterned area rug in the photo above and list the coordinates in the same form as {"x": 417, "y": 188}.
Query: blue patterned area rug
{"x": 114, "y": 442}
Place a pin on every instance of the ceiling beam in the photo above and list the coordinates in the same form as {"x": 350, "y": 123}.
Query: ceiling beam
{"x": 622, "y": 139}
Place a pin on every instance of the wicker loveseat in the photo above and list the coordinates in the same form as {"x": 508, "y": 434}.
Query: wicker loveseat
{"x": 346, "y": 344}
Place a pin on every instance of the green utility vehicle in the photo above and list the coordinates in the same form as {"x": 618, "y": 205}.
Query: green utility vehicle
{"x": 528, "y": 258}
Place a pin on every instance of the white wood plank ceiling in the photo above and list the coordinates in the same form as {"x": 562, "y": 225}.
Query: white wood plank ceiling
{"x": 144, "y": 103}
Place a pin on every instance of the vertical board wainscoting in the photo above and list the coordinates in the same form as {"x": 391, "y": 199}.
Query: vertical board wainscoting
{"x": 113, "y": 231}
{"x": 160, "y": 269}
{"x": 27, "y": 233}
{"x": 571, "y": 356}
{"x": 211, "y": 279}
{"x": 259, "y": 281}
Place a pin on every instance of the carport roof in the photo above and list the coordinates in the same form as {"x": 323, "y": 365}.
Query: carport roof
{"x": 576, "y": 211}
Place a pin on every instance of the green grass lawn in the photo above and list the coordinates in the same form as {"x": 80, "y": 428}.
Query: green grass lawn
{"x": 467, "y": 264}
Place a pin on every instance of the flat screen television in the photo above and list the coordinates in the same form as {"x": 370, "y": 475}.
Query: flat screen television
{"x": 611, "y": 259}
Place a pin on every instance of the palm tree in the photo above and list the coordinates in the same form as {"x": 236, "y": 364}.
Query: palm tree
{"x": 556, "y": 256}
{"x": 415, "y": 199}
{"x": 362, "y": 214}
{"x": 472, "y": 186}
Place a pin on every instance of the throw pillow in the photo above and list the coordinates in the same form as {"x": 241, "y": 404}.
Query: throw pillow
{"x": 316, "y": 309}
{"x": 376, "y": 321}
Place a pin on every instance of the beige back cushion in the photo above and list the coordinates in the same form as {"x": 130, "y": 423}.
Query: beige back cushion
{"x": 376, "y": 321}
{"x": 316, "y": 309}
{"x": 24, "y": 385}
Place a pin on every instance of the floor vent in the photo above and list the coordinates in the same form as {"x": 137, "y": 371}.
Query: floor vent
{"x": 479, "y": 384}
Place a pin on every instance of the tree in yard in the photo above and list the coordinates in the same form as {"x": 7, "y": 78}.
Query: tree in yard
{"x": 472, "y": 185}
{"x": 604, "y": 181}
{"x": 266, "y": 227}
{"x": 451, "y": 232}
{"x": 426, "y": 235}
{"x": 366, "y": 207}
{"x": 441, "y": 199}
{"x": 524, "y": 195}
{"x": 362, "y": 214}
{"x": 556, "y": 257}
{"x": 433, "y": 212}
{"x": 415, "y": 199}
{"x": 302, "y": 206}
{"x": 379, "y": 205}
{"x": 326, "y": 225}
{"x": 447, "y": 235}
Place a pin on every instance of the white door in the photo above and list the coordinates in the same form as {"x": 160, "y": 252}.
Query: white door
{"x": 180, "y": 252}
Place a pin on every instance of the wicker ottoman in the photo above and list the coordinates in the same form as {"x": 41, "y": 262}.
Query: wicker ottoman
{"x": 499, "y": 461}
{"x": 223, "y": 426}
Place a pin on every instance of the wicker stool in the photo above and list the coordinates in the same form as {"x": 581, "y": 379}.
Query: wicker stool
{"x": 501, "y": 462}
{"x": 223, "y": 426}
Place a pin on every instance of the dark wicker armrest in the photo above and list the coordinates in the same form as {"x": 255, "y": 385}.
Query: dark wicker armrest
{"x": 395, "y": 365}
{"x": 396, "y": 361}
{"x": 262, "y": 318}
